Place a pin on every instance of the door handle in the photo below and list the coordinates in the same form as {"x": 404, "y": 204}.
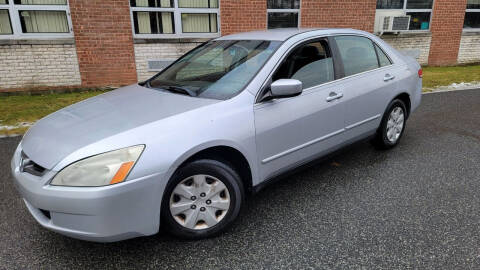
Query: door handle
{"x": 333, "y": 96}
{"x": 388, "y": 77}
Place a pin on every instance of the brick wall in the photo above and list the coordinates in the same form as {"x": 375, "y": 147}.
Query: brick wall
{"x": 242, "y": 15}
{"x": 469, "y": 48}
{"x": 104, "y": 40}
{"x": 158, "y": 51}
{"x": 415, "y": 45}
{"x": 358, "y": 14}
{"x": 447, "y": 26}
{"x": 32, "y": 66}
{"x": 103, "y": 52}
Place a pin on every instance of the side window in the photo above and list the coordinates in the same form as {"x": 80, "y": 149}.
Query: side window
{"x": 382, "y": 57}
{"x": 357, "y": 53}
{"x": 310, "y": 63}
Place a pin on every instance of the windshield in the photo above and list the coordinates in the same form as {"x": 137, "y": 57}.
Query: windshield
{"x": 217, "y": 69}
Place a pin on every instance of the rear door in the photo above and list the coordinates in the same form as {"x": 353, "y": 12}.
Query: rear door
{"x": 370, "y": 81}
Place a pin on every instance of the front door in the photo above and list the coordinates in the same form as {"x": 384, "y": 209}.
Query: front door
{"x": 290, "y": 131}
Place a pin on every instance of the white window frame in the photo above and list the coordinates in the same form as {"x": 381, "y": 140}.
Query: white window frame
{"x": 406, "y": 10}
{"x": 471, "y": 10}
{"x": 177, "y": 19}
{"x": 14, "y": 10}
{"x": 287, "y": 10}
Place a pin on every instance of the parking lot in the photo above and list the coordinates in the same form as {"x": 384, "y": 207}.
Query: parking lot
{"x": 416, "y": 206}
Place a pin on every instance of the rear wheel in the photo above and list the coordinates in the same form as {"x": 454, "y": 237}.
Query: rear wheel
{"x": 392, "y": 126}
{"x": 203, "y": 198}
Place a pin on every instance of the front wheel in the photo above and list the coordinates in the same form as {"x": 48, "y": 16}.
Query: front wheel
{"x": 392, "y": 126}
{"x": 203, "y": 198}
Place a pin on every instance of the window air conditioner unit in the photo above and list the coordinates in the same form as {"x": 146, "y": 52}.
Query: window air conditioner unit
{"x": 391, "y": 21}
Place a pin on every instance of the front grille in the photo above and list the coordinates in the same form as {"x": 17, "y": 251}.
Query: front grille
{"x": 27, "y": 165}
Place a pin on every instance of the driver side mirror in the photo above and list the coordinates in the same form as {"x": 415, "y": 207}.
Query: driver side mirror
{"x": 285, "y": 88}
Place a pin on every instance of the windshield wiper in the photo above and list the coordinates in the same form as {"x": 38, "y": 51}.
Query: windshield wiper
{"x": 178, "y": 89}
{"x": 172, "y": 88}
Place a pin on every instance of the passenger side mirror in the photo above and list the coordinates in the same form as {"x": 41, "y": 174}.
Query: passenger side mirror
{"x": 285, "y": 88}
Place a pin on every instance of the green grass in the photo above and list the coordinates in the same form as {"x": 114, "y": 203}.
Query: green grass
{"x": 17, "y": 109}
{"x": 441, "y": 76}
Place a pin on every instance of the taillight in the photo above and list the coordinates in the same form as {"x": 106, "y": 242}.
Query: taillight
{"x": 420, "y": 73}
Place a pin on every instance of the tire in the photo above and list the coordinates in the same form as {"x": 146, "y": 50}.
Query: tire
{"x": 384, "y": 139}
{"x": 213, "y": 174}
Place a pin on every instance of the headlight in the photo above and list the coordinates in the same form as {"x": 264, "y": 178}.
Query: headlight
{"x": 100, "y": 170}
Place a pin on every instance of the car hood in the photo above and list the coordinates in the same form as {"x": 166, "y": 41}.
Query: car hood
{"x": 61, "y": 133}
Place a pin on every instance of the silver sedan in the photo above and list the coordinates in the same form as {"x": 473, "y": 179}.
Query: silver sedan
{"x": 184, "y": 148}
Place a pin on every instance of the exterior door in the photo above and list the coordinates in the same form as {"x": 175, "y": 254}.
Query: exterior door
{"x": 290, "y": 131}
{"x": 368, "y": 86}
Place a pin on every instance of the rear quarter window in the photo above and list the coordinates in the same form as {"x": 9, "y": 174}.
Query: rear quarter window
{"x": 383, "y": 59}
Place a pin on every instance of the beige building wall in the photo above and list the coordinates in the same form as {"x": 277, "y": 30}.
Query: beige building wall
{"x": 38, "y": 65}
{"x": 469, "y": 48}
{"x": 163, "y": 52}
{"x": 416, "y": 45}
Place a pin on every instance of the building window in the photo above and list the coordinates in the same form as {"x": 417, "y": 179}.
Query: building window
{"x": 153, "y": 22}
{"x": 198, "y": 3}
{"x": 283, "y": 13}
{"x": 40, "y": 2}
{"x": 420, "y": 11}
{"x": 5, "y": 25}
{"x": 43, "y": 21}
{"x": 199, "y": 23}
{"x": 152, "y": 3}
{"x": 21, "y": 19}
{"x": 175, "y": 18}
{"x": 472, "y": 16}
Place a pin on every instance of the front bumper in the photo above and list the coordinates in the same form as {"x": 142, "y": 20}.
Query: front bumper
{"x": 100, "y": 214}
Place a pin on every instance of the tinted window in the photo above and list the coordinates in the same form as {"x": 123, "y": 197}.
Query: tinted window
{"x": 282, "y": 20}
{"x": 277, "y": 17}
{"x": 474, "y": 4}
{"x": 281, "y": 4}
{"x": 472, "y": 20}
{"x": 310, "y": 63}
{"x": 389, "y": 4}
{"x": 419, "y": 4}
{"x": 398, "y": 4}
{"x": 217, "y": 69}
{"x": 357, "y": 53}
{"x": 382, "y": 57}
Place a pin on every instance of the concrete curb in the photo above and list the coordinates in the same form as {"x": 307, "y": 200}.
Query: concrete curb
{"x": 10, "y": 136}
{"x": 451, "y": 90}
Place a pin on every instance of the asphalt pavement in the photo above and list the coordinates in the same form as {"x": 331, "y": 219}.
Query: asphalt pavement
{"x": 415, "y": 206}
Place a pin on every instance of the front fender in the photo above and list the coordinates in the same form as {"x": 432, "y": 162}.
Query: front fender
{"x": 250, "y": 157}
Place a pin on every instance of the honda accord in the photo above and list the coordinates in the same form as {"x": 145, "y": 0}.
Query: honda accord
{"x": 184, "y": 148}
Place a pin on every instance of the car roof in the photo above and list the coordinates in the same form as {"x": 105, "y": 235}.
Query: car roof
{"x": 283, "y": 34}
